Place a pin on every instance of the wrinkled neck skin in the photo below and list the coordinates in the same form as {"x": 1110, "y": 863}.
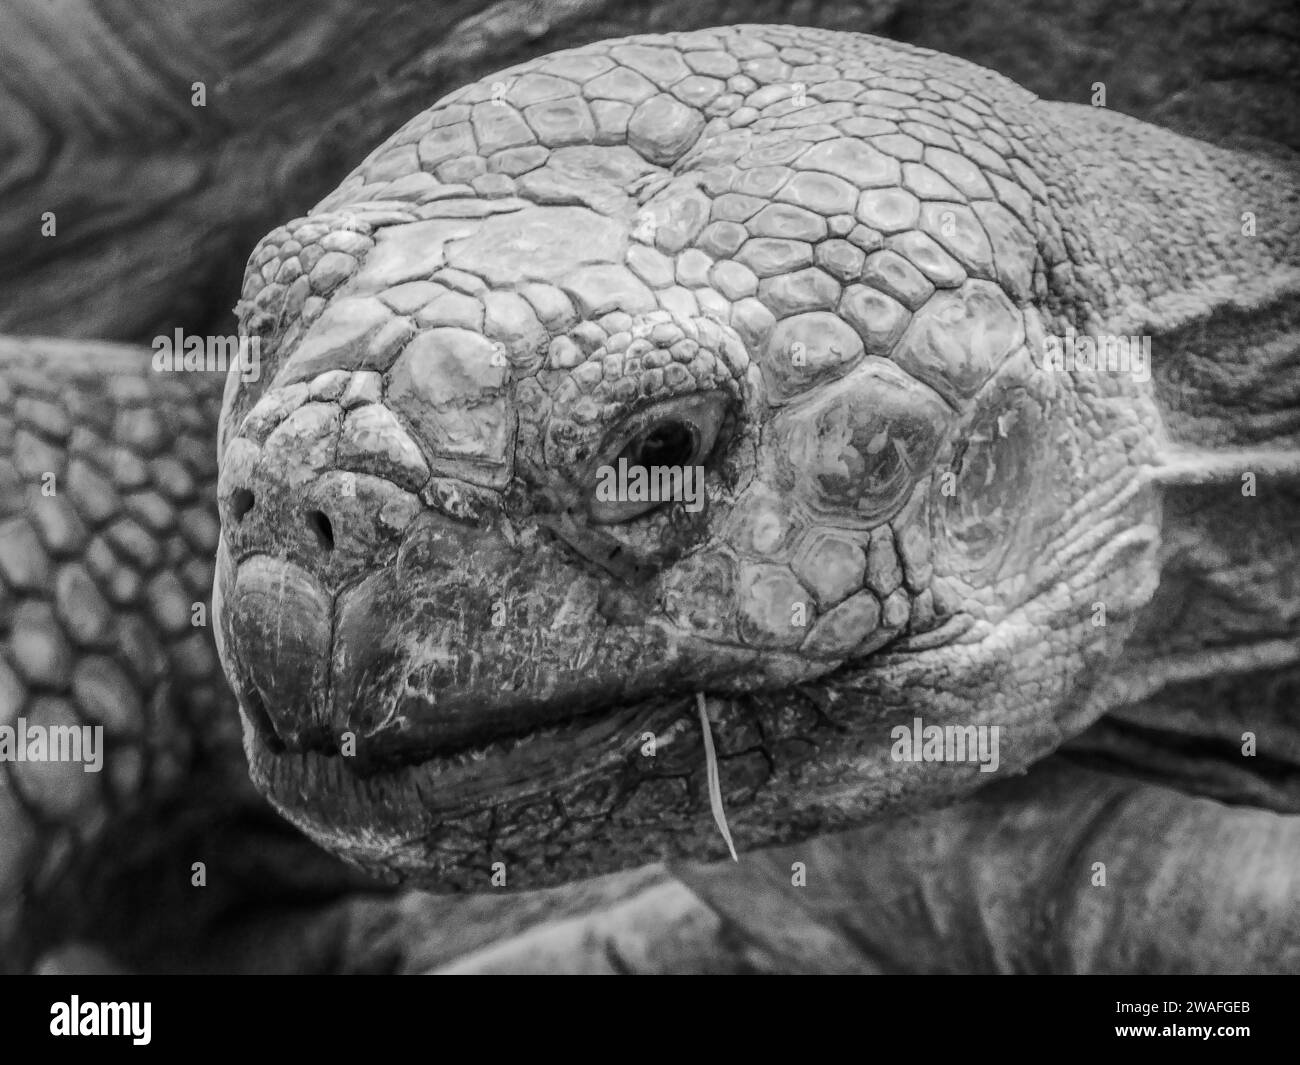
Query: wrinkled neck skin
{"x": 443, "y": 662}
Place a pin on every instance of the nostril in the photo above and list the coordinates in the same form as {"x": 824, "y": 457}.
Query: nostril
{"x": 241, "y": 502}
{"x": 324, "y": 531}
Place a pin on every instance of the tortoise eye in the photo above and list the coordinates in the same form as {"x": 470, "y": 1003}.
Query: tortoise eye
{"x": 671, "y": 442}
{"x": 670, "y": 436}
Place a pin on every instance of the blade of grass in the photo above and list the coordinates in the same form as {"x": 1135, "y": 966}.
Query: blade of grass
{"x": 715, "y": 783}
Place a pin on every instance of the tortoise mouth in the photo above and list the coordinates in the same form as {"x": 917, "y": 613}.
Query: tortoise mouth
{"x": 392, "y": 754}
{"x": 369, "y": 809}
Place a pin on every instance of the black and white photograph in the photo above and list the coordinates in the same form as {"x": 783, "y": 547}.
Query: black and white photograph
{"x": 576, "y": 487}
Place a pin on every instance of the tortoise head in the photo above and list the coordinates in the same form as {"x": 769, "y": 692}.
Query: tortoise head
{"x": 536, "y": 458}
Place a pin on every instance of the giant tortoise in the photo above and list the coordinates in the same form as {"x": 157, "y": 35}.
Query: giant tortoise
{"x": 993, "y": 405}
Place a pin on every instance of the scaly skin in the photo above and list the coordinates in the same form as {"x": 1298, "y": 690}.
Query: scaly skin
{"x": 1100, "y": 249}
{"x": 99, "y": 577}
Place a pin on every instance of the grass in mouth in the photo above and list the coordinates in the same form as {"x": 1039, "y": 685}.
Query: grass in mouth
{"x": 715, "y": 784}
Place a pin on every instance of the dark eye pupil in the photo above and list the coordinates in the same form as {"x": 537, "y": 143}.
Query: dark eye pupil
{"x": 667, "y": 444}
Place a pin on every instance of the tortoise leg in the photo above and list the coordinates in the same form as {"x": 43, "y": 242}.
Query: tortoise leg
{"x": 1066, "y": 870}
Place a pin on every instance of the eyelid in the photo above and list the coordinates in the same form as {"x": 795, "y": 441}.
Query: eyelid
{"x": 704, "y": 412}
